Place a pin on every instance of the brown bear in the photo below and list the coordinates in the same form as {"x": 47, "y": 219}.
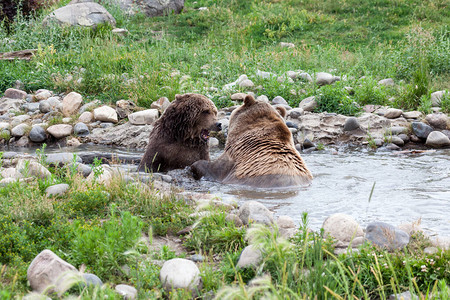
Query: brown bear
{"x": 259, "y": 150}
{"x": 180, "y": 137}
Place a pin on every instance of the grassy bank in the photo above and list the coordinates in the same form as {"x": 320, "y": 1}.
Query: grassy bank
{"x": 200, "y": 50}
{"x": 109, "y": 230}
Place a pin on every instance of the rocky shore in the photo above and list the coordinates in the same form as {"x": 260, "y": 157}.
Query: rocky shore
{"x": 45, "y": 117}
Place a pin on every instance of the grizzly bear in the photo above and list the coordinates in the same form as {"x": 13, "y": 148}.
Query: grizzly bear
{"x": 180, "y": 137}
{"x": 259, "y": 150}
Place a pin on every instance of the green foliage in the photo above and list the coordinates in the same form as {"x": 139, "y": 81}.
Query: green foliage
{"x": 425, "y": 104}
{"x": 102, "y": 247}
{"x": 333, "y": 98}
{"x": 213, "y": 233}
{"x": 369, "y": 92}
{"x": 445, "y": 102}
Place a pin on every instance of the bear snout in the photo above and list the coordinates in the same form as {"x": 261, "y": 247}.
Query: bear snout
{"x": 217, "y": 127}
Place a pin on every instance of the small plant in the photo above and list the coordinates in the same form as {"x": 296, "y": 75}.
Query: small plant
{"x": 5, "y": 135}
{"x": 97, "y": 168}
{"x": 369, "y": 92}
{"x": 425, "y": 104}
{"x": 445, "y": 102}
{"x": 334, "y": 99}
{"x": 40, "y": 153}
{"x": 370, "y": 139}
{"x": 320, "y": 146}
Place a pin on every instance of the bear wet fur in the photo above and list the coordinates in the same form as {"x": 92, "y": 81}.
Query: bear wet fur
{"x": 259, "y": 151}
{"x": 180, "y": 137}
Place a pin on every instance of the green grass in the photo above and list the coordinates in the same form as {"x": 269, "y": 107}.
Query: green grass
{"x": 231, "y": 38}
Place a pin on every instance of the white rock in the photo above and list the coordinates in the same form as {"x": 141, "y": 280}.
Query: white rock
{"x": 263, "y": 98}
{"x": 120, "y": 31}
{"x": 387, "y": 82}
{"x": 57, "y": 189}
{"x": 213, "y": 142}
{"x": 265, "y": 75}
{"x": 60, "y": 130}
{"x": 126, "y": 291}
{"x": 11, "y": 173}
{"x": 71, "y": 103}
{"x": 342, "y": 227}
{"x": 250, "y": 257}
{"x": 246, "y": 84}
{"x": 412, "y": 115}
{"x": 86, "y": 117}
{"x": 19, "y": 119}
{"x": 393, "y": 113}
{"x": 323, "y": 78}
{"x": 287, "y": 45}
{"x": 437, "y": 139}
{"x": 48, "y": 269}
{"x": 87, "y": 14}
{"x": 32, "y": 168}
{"x": 4, "y": 125}
{"x": 20, "y": 130}
{"x": 238, "y": 96}
{"x": 308, "y": 104}
{"x": 43, "y": 95}
{"x": 144, "y": 117}
{"x": 105, "y": 114}
{"x": 436, "y": 98}
{"x": 180, "y": 273}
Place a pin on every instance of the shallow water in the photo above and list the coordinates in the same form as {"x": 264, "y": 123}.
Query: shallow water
{"x": 408, "y": 187}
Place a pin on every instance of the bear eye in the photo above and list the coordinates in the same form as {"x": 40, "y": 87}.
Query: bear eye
{"x": 205, "y": 112}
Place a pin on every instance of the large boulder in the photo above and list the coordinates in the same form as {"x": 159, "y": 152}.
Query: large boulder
{"x": 71, "y": 103}
{"x": 421, "y": 130}
{"x": 437, "y": 139}
{"x": 88, "y": 14}
{"x": 180, "y": 273}
{"x": 47, "y": 269}
{"x": 386, "y": 236}
{"x": 342, "y": 227}
{"x": 144, "y": 117}
{"x": 152, "y": 8}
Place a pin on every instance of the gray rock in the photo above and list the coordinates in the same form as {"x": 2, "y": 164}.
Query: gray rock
{"x": 32, "y": 168}
{"x": 436, "y": 98}
{"x": 50, "y": 104}
{"x": 105, "y": 114}
{"x": 393, "y": 147}
{"x": 253, "y": 211}
{"x": 31, "y": 107}
{"x": 37, "y": 134}
{"x": 87, "y": 14}
{"x": 295, "y": 113}
{"x": 286, "y": 227}
{"x": 250, "y": 257}
{"x": 83, "y": 169}
{"x": 71, "y": 103}
{"x": 48, "y": 269}
{"x": 342, "y": 227}
{"x": 22, "y": 142}
{"x": 290, "y": 124}
{"x": 287, "y": 45}
{"x": 126, "y": 135}
{"x": 397, "y": 141}
{"x": 387, "y": 82}
{"x": 7, "y": 104}
{"x": 57, "y": 189}
{"x": 439, "y": 120}
{"x": 238, "y": 96}
{"x": 92, "y": 279}
{"x": 235, "y": 219}
{"x": 80, "y": 129}
{"x": 106, "y": 125}
{"x": 144, "y": 117}
{"x": 279, "y": 100}
{"x": 15, "y": 94}
{"x": 421, "y": 130}
{"x": 20, "y": 130}
{"x": 126, "y": 291}
{"x": 197, "y": 258}
{"x": 120, "y": 31}
{"x": 247, "y": 83}
{"x": 307, "y": 143}
{"x": 89, "y": 106}
{"x": 42, "y": 94}
{"x": 386, "y": 236}
{"x": 60, "y": 130}
{"x": 351, "y": 124}
{"x": 393, "y": 113}
{"x": 403, "y": 296}
{"x": 180, "y": 273}
{"x": 404, "y": 137}
{"x": 308, "y": 104}
{"x": 396, "y": 130}
{"x": 437, "y": 139}
{"x": 263, "y": 98}
{"x": 430, "y": 250}
{"x": 412, "y": 114}
{"x": 19, "y": 119}
{"x": 305, "y": 77}
{"x": 323, "y": 78}
{"x": 213, "y": 142}
{"x": 265, "y": 75}
{"x": 154, "y": 8}
{"x": 63, "y": 158}
{"x": 378, "y": 142}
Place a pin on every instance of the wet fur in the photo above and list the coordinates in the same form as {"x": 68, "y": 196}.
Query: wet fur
{"x": 175, "y": 142}
{"x": 259, "y": 151}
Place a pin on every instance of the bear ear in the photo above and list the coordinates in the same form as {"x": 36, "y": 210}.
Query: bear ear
{"x": 178, "y": 97}
{"x": 281, "y": 110}
{"x": 249, "y": 100}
